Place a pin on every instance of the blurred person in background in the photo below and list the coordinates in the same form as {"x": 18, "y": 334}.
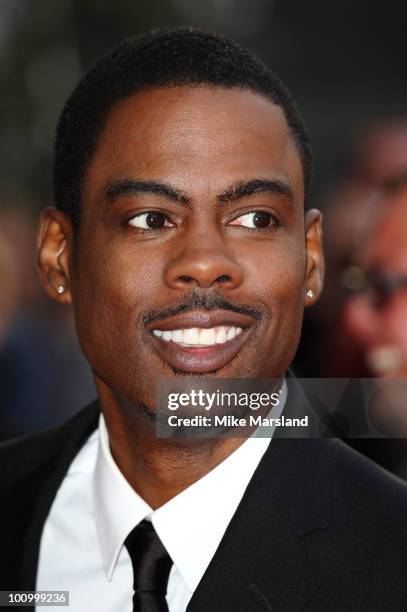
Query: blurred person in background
{"x": 375, "y": 318}
{"x": 378, "y": 153}
{"x": 349, "y": 336}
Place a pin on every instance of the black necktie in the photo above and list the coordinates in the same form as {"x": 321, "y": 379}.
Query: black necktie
{"x": 151, "y": 568}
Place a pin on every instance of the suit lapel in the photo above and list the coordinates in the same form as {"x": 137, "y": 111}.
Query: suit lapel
{"x": 271, "y": 556}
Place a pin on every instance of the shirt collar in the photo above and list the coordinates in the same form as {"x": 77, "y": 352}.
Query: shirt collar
{"x": 118, "y": 508}
{"x": 190, "y": 525}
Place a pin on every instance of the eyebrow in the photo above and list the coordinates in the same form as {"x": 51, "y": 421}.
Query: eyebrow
{"x": 235, "y": 192}
{"x": 245, "y": 189}
{"x": 134, "y": 187}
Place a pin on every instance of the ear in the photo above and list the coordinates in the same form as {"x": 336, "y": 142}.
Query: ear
{"x": 315, "y": 269}
{"x": 54, "y": 245}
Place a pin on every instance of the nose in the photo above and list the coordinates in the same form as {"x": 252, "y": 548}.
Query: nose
{"x": 205, "y": 261}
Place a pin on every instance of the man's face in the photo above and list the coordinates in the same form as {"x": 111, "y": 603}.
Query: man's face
{"x": 377, "y": 320}
{"x": 192, "y": 247}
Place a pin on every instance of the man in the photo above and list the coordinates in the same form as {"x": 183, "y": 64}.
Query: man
{"x": 181, "y": 241}
{"x": 375, "y": 316}
{"x": 378, "y": 153}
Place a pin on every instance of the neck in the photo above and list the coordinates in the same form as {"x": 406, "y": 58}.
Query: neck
{"x": 157, "y": 468}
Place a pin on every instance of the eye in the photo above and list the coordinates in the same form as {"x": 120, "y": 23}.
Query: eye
{"x": 257, "y": 219}
{"x": 150, "y": 220}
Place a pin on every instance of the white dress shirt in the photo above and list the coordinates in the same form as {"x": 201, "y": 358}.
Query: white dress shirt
{"x": 95, "y": 509}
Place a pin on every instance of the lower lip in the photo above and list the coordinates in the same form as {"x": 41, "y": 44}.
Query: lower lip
{"x": 200, "y": 359}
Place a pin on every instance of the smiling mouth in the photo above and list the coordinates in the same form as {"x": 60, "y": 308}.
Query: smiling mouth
{"x": 199, "y": 337}
{"x": 201, "y": 342}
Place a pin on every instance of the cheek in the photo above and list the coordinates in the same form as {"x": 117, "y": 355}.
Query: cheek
{"x": 277, "y": 280}
{"x": 275, "y": 275}
{"x": 112, "y": 291}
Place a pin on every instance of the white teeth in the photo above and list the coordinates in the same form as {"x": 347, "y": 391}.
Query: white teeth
{"x": 191, "y": 336}
{"x": 177, "y": 335}
{"x": 220, "y": 335}
{"x": 195, "y": 336}
{"x": 231, "y": 333}
{"x": 207, "y": 336}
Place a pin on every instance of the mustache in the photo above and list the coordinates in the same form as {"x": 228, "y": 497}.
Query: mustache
{"x": 199, "y": 301}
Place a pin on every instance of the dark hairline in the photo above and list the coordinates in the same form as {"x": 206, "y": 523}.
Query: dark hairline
{"x": 132, "y": 61}
{"x": 214, "y": 86}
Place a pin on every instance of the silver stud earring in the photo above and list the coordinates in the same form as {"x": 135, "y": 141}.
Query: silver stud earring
{"x": 310, "y": 293}
{"x": 60, "y": 289}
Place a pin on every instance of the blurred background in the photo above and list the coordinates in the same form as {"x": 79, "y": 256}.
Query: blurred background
{"x": 345, "y": 64}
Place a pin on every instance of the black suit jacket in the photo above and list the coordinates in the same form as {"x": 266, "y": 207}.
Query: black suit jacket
{"x": 319, "y": 529}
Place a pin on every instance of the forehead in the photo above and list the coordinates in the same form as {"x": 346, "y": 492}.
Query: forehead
{"x": 387, "y": 246}
{"x": 200, "y": 137}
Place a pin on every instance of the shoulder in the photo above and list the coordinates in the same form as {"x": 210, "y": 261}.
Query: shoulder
{"x": 369, "y": 510}
{"x": 363, "y": 540}
{"x": 21, "y": 456}
{"x": 355, "y": 476}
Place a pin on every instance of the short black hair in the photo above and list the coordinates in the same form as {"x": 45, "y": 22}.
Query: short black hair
{"x": 159, "y": 58}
